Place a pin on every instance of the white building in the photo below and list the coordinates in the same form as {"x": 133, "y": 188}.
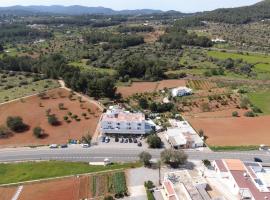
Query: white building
{"x": 182, "y": 135}
{"x": 181, "y": 91}
{"x": 249, "y": 180}
{"x": 119, "y": 121}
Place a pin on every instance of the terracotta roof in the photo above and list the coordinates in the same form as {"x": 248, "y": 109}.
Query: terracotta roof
{"x": 221, "y": 166}
{"x": 169, "y": 188}
{"x": 233, "y": 164}
{"x": 244, "y": 182}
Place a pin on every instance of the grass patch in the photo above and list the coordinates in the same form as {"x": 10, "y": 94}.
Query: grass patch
{"x": 261, "y": 100}
{"x": 18, "y": 172}
{"x": 234, "y": 148}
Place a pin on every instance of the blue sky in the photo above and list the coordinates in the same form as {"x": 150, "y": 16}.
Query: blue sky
{"x": 180, "y": 5}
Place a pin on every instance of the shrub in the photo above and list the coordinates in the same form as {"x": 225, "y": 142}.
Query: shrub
{"x": 154, "y": 141}
{"x": 206, "y": 163}
{"x": 235, "y": 114}
{"x": 61, "y": 106}
{"x": 149, "y": 184}
{"x": 4, "y": 132}
{"x": 16, "y": 124}
{"x": 65, "y": 118}
{"x": 108, "y": 198}
{"x": 52, "y": 120}
{"x": 250, "y": 114}
{"x": 38, "y": 132}
{"x": 256, "y": 109}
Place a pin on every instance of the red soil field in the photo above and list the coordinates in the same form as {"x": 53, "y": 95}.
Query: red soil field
{"x": 34, "y": 115}
{"x": 143, "y": 87}
{"x": 6, "y": 193}
{"x": 65, "y": 189}
{"x": 231, "y": 131}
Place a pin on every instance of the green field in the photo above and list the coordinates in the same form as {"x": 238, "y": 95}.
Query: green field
{"x": 19, "y": 172}
{"x": 234, "y": 148}
{"x": 261, "y": 100}
{"x": 19, "y": 85}
{"x": 250, "y": 58}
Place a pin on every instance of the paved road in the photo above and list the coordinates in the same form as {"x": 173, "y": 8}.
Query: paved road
{"x": 97, "y": 154}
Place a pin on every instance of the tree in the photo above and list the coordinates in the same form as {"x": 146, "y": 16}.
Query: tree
{"x": 61, "y": 106}
{"x": 143, "y": 103}
{"x": 174, "y": 158}
{"x": 250, "y": 114}
{"x": 108, "y": 198}
{"x": 1, "y": 48}
{"x": 206, "y": 163}
{"x": 154, "y": 141}
{"x": 16, "y": 124}
{"x": 38, "y": 132}
{"x": 145, "y": 158}
{"x": 52, "y": 120}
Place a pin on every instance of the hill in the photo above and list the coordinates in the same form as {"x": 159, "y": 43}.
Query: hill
{"x": 73, "y": 10}
{"x": 239, "y": 15}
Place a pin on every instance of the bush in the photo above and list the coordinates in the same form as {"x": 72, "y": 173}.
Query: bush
{"x": 206, "y": 163}
{"x": 250, "y": 114}
{"x": 38, "y": 132}
{"x": 256, "y": 109}
{"x": 65, "y": 118}
{"x": 16, "y": 124}
{"x": 52, "y": 119}
{"x": 108, "y": 198}
{"x": 4, "y": 132}
{"x": 149, "y": 184}
{"x": 154, "y": 141}
{"x": 235, "y": 114}
{"x": 61, "y": 106}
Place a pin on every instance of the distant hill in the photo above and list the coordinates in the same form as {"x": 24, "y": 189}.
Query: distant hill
{"x": 240, "y": 15}
{"x": 73, "y": 10}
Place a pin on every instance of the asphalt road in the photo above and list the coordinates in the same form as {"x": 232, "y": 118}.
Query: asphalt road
{"x": 97, "y": 154}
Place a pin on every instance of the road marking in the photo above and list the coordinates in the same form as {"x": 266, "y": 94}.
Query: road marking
{"x": 18, "y": 192}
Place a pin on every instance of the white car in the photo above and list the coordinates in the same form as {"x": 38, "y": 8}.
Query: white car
{"x": 85, "y": 145}
{"x": 53, "y": 146}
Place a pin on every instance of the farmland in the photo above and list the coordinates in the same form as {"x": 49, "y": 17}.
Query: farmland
{"x": 201, "y": 84}
{"x": 148, "y": 87}
{"x": 229, "y": 131}
{"x": 76, "y": 118}
{"x": 16, "y": 85}
{"x": 261, "y": 99}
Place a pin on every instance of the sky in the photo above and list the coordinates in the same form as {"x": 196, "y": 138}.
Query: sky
{"x": 179, "y": 5}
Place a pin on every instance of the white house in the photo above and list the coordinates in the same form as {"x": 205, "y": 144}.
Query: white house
{"x": 181, "y": 91}
{"x": 119, "y": 121}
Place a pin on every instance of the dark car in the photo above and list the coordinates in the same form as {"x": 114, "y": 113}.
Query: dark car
{"x": 103, "y": 139}
{"x": 256, "y": 159}
{"x": 130, "y": 140}
{"x": 139, "y": 144}
{"x": 64, "y": 146}
{"x": 135, "y": 140}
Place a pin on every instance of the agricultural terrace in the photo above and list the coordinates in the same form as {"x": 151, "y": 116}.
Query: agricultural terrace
{"x": 76, "y": 117}
{"x": 148, "y": 87}
{"x": 201, "y": 84}
{"x": 261, "y": 62}
{"x": 232, "y": 131}
{"x": 261, "y": 100}
{"x": 15, "y": 85}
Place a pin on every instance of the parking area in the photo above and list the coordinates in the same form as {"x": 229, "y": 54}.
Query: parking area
{"x": 123, "y": 141}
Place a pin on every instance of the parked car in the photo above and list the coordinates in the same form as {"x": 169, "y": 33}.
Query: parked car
{"x": 103, "y": 139}
{"x": 126, "y": 140}
{"x": 256, "y": 159}
{"x": 85, "y": 145}
{"x": 53, "y": 146}
{"x": 135, "y": 140}
{"x": 107, "y": 139}
{"x": 130, "y": 140}
{"x": 64, "y": 146}
{"x": 139, "y": 144}
{"x": 122, "y": 140}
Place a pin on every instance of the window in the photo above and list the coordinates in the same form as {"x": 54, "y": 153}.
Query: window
{"x": 139, "y": 124}
{"x": 118, "y": 124}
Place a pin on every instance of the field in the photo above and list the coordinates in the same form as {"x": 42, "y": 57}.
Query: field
{"x": 15, "y": 85}
{"x": 229, "y": 131}
{"x": 34, "y": 111}
{"x": 18, "y": 172}
{"x": 109, "y": 180}
{"x": 261, "y": 99}
{"x": 145, "y": 87}
{"x": 201, "y": 84}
